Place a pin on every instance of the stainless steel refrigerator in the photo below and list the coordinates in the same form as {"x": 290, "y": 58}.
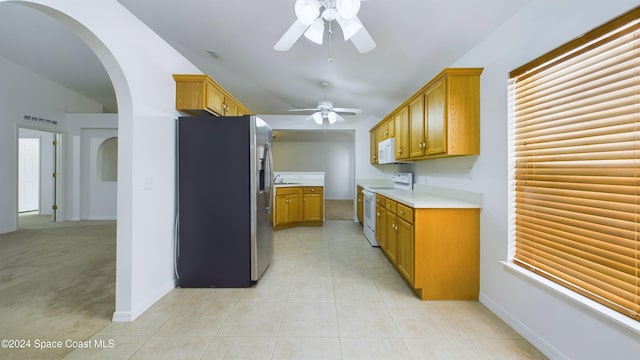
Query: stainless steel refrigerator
{"x": 224, "y": 230}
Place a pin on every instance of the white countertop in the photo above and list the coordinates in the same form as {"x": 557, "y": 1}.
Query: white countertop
{"x": 288, "y": 179}
{"x": 426, "y": 197}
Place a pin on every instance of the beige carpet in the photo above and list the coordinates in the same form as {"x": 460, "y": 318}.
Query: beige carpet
{"x": 338, "y": 209}
{"x": 57, "y": 282}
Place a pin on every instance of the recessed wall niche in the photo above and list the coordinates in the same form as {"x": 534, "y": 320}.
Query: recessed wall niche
{"x": 107, "y": 162}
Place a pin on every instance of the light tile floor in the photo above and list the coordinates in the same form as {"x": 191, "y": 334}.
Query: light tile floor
{"x": 327, "y": 295}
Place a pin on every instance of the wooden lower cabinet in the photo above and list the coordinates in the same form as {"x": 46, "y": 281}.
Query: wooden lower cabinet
{"x": 312, "y": 205}
{"x": 405, "y": 256}
{"x": 287, "y": 207}
{"x": 360, "y": 205}
{"x": 381, "y": 226}
{"x": 447, "y": 254}
{"x": 437, "y": 251}
{"x": 298, "y": 205}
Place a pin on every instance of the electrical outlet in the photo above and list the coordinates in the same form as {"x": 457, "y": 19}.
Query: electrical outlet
{"x": 148, "y": 183}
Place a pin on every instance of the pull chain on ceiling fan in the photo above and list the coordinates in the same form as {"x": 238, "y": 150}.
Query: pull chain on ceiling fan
{"x": 311, "y": 16}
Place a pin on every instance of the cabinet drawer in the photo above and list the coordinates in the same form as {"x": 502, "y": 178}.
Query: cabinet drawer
{"x": 405, "y": 212}
{"x": 287, "y": 190}
{"x": 390, "y": 205}
{"x": 380, "y": 200}
{"x": 312, "y": 189}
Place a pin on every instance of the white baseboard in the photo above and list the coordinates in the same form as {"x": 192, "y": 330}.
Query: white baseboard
{"x": 8, "y": 229}
{"x": 121, "y": 316}
{"x": 95, "y": 218}
{"x": 536, "y": 340}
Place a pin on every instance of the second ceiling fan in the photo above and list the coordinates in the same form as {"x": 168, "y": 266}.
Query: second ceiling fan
{"x": 311, "y": 16}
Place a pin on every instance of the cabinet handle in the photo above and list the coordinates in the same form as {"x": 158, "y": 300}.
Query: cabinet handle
{"x": 312, "y": 190}
{"x": 378, "y": 214}
{"x": 401, "y": 212}
{"x": 400, "y": 150}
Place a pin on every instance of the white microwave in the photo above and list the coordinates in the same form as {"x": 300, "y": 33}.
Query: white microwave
{"x": 387, "y": 151}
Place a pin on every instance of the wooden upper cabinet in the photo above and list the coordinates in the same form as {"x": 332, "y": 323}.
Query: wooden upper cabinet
{"x": 417, "y": 137}
{"x": 435, "y": 119}
{"x": 443, "y": 116}
{"x": 214, "y": 99}
{"x": 401, "y": 124}
{"x": 198, "y": 94}
{"x": 373, "y": 146}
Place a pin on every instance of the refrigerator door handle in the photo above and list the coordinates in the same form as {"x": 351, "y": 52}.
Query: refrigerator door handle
{"x": 268, "y": 176}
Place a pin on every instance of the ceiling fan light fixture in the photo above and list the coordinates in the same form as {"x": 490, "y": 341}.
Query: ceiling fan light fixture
{"x": 315, "y": 32}
{"x": 332, "y": 117}
{"x": 348, "y": 9}
{"x": 307, "y": 11}
{"x": 329, "y": 14}
{"x": 317, "y": 118}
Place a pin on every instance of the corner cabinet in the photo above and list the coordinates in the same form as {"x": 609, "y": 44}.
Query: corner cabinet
{"x": 442, "y": 118}
{"x": 199, "y": 94}
{"x": 436, "y": 250}
{"x": 298, "y": 205}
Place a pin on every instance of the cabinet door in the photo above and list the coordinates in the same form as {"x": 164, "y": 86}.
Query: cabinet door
{"x": 391, "y": 237}
{"x": 416, "y": 124}
{"x": 360, "y": 205}
{"x": 381, "y": 227}
{"x": 215, "y": 99}
{"x": 281, "y": 211}
{"x": 312, "y": 207}
{"x": 295, "y": 208}
{"x": 391, "y": 127}
{"x": 436, "y": 121}
{"x": 405, "y": 259}
{"x": 230, "y": 107}
{"x": 401, "y": 124}
{"x": 373, "y": 146}
{"x": 382, "y": 132}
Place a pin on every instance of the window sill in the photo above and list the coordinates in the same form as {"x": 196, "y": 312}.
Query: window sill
{"x": 595, "y": 307}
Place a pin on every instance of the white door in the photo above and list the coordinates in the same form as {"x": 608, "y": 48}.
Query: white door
{"x": 29, "y": 175}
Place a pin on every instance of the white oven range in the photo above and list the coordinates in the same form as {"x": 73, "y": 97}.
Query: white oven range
{"x": 401, "y": 181}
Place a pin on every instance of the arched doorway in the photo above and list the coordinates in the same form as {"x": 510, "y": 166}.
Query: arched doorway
{"x": 140, "y": 65}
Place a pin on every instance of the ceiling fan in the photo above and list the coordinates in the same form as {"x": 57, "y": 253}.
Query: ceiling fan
{"x": 310, "y": 18}
{"x": 325, "y": 112}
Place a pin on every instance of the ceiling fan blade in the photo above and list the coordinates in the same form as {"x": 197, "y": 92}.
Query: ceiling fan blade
{"x": 350, "y": 111}
{"x": 303, "y": 110}
{"x": 362, "y": 40}
{"x": 290, "y": 36}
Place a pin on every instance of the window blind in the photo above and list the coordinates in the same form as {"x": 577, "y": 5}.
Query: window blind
{"x": 576, "y": 116}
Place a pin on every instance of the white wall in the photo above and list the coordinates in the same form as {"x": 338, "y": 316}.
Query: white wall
{"x": 334, "y": 158}
{"x": 23, "y": 92}
{"x": 84, "y": 198}
{"x": 359, "y": 123}
{"x": 558, "y": 326}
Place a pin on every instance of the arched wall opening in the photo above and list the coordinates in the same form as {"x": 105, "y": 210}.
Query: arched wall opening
{"x": 140, "y": 65}
{"x": 125, "y": 119}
